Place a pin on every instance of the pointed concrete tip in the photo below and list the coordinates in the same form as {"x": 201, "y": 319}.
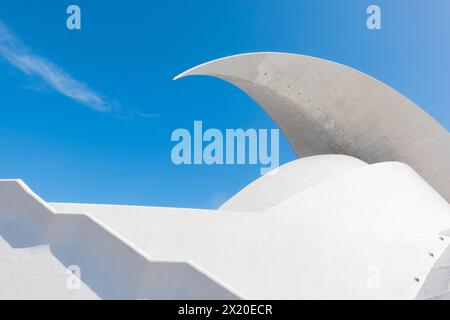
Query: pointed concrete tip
{"x": 207, "y": 68}
{"x": 201, "y": 70}
{"x": 181, "y": 75}
{"x": 189, "y": 72}
{"x": 194, "y": 70}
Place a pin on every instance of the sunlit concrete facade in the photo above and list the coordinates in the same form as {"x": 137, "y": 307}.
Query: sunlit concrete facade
{"x": 362, "y": 214}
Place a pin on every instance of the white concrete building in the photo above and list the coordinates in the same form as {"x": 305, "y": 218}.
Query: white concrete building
{"x": 362, "y": 214}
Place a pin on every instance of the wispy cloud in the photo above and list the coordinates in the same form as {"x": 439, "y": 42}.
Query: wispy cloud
{"x": 149, "y": 115}
{"x": 18, "y": 55}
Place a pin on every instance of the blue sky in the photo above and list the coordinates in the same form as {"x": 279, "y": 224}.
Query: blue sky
{"x": 86, "y": 115}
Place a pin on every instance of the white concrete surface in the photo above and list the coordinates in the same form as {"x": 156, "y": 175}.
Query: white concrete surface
{"x": 370, "y": 232}
{"x": 111, "y": 267}
{"x": 264, "y": 193}
{"x": 323, "y": 242}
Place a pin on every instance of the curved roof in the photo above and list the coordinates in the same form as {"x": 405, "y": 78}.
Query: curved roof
{"x": 325, "y": 242}
{"x": 325, "y": 108}
{"x": 289, "y": 179}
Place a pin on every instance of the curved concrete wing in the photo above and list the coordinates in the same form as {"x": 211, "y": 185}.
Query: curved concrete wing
{"x": 324, "y": 108}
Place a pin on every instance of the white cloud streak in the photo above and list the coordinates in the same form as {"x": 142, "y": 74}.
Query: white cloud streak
{"x": 20, "y": 57}
{"x": 148, "y": 115}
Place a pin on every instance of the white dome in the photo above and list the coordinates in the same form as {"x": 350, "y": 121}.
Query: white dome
{"x": 289, "y": 179}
